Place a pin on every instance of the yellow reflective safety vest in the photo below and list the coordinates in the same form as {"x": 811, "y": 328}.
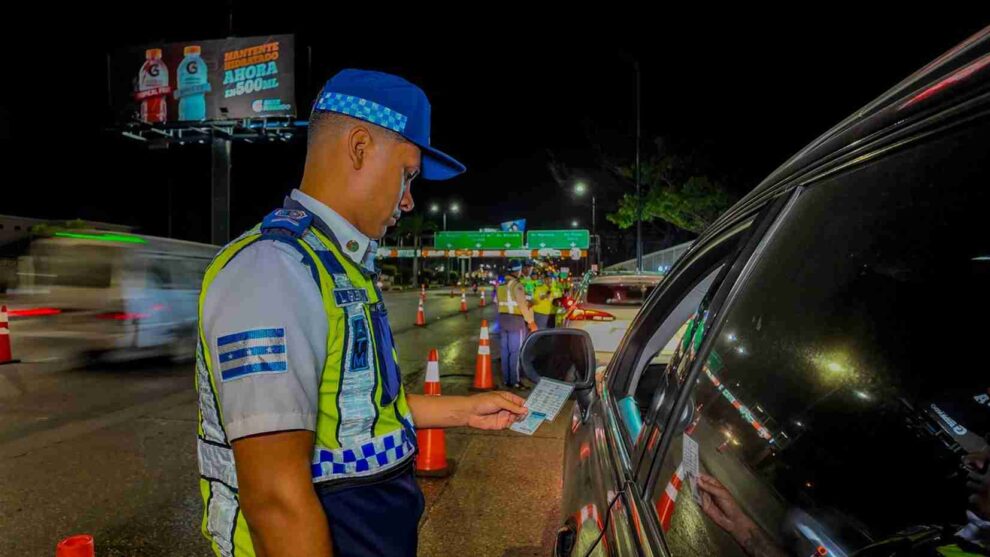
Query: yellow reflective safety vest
{"x": 543, "y": 299}
{"x": 506, "y": 303}
{"x": 364, "y": 425}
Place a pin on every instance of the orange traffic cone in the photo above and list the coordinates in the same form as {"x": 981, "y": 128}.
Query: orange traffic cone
{"x": 431, "y": 458}
{"x": 588, "y": 513}
{"x": 422, "y": 293}
{"x": 5, "y": 354}
{"x": 483, "y": 367}
{"x": 463, "y": 302}
{"x": 481, "y": 302}
{"x": 76, "y": 546}
{"x": 420, "y": 315}
{"x": 665, "y": 506}
{"x": 431, "y": 385}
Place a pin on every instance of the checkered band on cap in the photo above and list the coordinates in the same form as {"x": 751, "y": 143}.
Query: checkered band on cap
{"x": 363, "y": 109}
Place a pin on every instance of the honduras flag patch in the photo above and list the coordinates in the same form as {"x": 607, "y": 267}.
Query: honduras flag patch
{"x": 253, "y": 352}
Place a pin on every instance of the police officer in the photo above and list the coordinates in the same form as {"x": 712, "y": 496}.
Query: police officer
{"x": 515, "y": 318}
{"x": 306, "y": 436}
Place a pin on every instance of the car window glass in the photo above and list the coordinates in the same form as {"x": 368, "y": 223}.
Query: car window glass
{"x": 845, "y": 403}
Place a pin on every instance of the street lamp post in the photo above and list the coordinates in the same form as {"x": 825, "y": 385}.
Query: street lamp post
{"x": 580, "y": 189}
{"x": 454, "y": 208}
{"x": 639, "y": 199}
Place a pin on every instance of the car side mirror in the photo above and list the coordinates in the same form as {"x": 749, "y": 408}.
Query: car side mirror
{"x": 561, "y": 354}
{"x": 564, "y": 355}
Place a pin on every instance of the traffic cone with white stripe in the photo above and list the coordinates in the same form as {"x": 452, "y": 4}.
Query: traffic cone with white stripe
{"x": 665, "y": 506}
{"x": 588, "y": 515}
{"x": 483, "y": 380}
{"x": 422, "y": 293}
{"x": 5, "y": 353}
{"x": 420, "y": 315}
{"x": 463, "y": 302}
{"x": 76, "y": 546}
{"x": 431, "y": 458}
{"x": 481, "y": 299}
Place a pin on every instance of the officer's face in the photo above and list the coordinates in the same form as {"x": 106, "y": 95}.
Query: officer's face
{"x": 386, "y": 184}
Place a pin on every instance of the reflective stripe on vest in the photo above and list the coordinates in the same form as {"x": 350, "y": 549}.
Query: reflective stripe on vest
{"x": 364, "y": 424}
{"x": 507, "y": 303}
{"x": 365, "y": 460}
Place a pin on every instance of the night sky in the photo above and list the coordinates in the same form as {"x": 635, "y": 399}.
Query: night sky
{"x": 510, "y": 91}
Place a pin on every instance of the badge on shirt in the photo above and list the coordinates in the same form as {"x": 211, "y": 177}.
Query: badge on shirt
{"x": 352, "y": 245}
{"x": 349, "y": 296}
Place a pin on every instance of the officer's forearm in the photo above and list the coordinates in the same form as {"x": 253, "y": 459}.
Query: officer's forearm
{"x": 439, "y": 411}
{"x": 276, "y": 492}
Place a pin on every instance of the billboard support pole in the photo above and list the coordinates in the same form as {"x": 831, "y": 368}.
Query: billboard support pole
{"x": 220, "y": 205}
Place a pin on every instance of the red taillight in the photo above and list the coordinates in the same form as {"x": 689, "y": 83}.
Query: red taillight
{"x": 121, "y": 316}
{"x": 33, "y": 312}
{"x": 568, "y": 302}
{"x": 582, "y": 314}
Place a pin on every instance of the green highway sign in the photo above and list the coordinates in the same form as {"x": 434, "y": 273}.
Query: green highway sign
{"x": 558, "y": 239}
{"x": 478, "y": 240}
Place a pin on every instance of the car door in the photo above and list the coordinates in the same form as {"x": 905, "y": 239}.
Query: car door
{"x": 601, "y": 489}
{"x": 839, "y": 395}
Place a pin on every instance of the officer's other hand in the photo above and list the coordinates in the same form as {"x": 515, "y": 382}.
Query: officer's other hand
{"x": 721, "y": 507}
{"x": 496, "y": 410}
{"x": 532, "y": 326}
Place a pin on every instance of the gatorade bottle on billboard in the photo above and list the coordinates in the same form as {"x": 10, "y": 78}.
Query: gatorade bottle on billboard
{"x": 153, "y": 87}
{"x": 192, "y": 85}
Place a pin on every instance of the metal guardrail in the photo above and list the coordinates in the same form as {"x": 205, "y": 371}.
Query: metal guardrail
{"x": 660, "y": 261}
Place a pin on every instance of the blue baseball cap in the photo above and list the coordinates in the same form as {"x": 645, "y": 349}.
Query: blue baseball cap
{"x": 393, "y": 103}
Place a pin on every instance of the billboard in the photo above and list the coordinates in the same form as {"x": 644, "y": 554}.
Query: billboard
{"x": 224, "y": 79}
{"x": 514, "y": 225}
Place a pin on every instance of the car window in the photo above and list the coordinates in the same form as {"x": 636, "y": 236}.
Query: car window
{"x": 78, "y": 267}
{"x": 658, "y": 352}
{"x": 845, "y": 387}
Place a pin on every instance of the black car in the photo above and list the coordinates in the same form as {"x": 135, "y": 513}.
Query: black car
{"x": 832, "y": 380}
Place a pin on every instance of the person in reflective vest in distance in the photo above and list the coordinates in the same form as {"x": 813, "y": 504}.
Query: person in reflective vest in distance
{"x": 515, "y": 319}
{"x": 543, "y": 297}
{"x": 306, "y": 436}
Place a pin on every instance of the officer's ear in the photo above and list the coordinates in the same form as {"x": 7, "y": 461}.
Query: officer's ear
{"x": 359, "y": 142}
